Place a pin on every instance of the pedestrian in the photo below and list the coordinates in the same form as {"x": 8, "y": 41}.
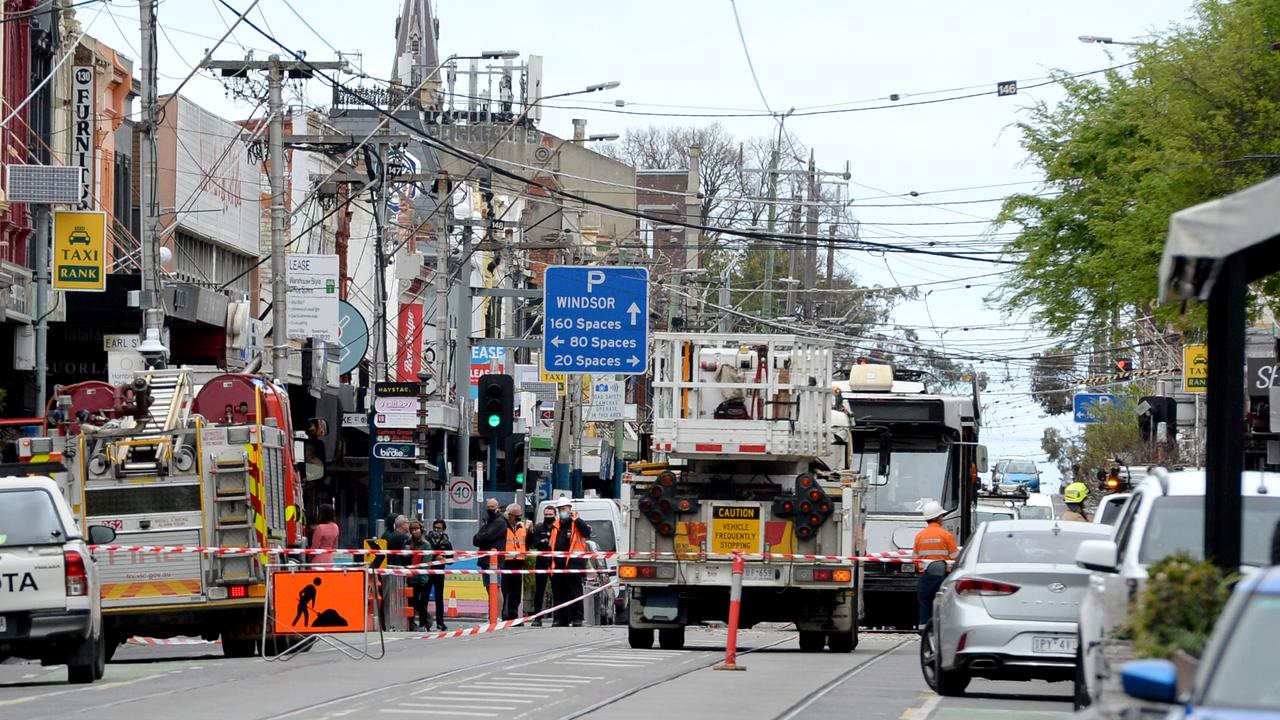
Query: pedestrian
{"x": 438, "y": 541}
{"x": 324, "y": 536}
{"x": 934, "y": 546}
{"x": 398, "y": 539}
{"x": 540, "y": 540}
{"x": 1074, "y": 496}
{"x": 513, "y": 559}
{"x": 419, "y": 583}
{"x": 491, "y": 536}
{"x": 569, "y": 534}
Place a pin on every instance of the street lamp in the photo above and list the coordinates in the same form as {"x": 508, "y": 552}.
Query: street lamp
{"x": 1105, "y": 40}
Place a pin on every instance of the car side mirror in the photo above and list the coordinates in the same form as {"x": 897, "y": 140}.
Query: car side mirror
{"x": 980, "y": 458}
{"x": 1098, "y": 555}
{"x": 101, "y": 535}
{"x": 1152, "y": 680}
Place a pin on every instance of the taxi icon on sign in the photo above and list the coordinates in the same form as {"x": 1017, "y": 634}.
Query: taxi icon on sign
{"x": 79, "y": 236}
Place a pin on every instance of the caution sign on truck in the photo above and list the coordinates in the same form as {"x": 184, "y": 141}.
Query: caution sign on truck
{"x": 735, "y": 527}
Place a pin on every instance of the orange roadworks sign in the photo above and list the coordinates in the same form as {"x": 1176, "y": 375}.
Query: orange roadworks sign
{"x": 318, "y": 602}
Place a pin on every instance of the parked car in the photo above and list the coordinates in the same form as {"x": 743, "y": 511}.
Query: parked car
{"x": 1163, "y": 517}
{"x": 1038, "y": 507}
{"x": 1108, "y": 510}
{"x": 50, "y": 609}
{"x": 1236, "y": 675}
{"x": 1008, "y": 610}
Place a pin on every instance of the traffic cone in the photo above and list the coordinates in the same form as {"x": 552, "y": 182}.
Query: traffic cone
{"x": 451, "y": 605}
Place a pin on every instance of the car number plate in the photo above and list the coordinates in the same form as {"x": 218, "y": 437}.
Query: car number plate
{"x": 759, "y": 573}
{"x": 1056, "y": 645}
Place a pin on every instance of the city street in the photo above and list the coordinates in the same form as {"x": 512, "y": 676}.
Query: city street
{"x": 525, "y": 672}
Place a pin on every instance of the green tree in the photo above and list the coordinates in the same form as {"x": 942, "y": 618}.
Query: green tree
{"x": 1193, "y": 119}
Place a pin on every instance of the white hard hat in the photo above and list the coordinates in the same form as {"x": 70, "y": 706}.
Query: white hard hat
{"x": 562, "y": 502}
{"x": 932, "y": 511}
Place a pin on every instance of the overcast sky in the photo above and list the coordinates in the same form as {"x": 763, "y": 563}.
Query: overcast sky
{"x": 685, "y": 56}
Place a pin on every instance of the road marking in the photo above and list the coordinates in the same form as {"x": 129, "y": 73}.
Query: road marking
{"x": 494, "y": 684}
{"x": 554, "y": 681}
{"x": 450, "y": 713}
{"x": 949, "y": 713}
{"x": 602, "y": 663}
{"x": 574, "y": 678}
{"x": 922, "y": 712}
{"x": 459, "y": 694}
{"x": 468, "y": 706}
{"x": 99, "y": 686}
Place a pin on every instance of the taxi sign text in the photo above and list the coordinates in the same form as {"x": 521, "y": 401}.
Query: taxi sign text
{"x": 79, "y": 251}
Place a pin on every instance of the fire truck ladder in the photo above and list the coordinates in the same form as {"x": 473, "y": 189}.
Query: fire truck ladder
{"x": 233, "y": 517}
{"x": 151, "y": 450}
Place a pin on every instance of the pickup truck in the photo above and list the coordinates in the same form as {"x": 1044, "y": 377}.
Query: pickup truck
{"x": 50, "y": 609}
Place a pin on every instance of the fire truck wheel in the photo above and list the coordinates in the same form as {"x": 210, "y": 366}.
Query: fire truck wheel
{"x": 671, "y": 638}
{"x": 640, "y": 638}
{"x": 238, "y": 647}
{"x": 812, "y": 641}
{"x": 844, "y": 642}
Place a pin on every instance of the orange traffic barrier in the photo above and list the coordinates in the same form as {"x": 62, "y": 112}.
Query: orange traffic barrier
{"x": 451, "y": 606}
{"x": 494, "y": 602}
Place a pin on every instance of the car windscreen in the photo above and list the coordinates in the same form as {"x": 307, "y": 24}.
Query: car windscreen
{"x": 1111, "y": 512}
{"x": 1035, "y": 512}
{"x": 29, "y": 517}
{"x": 1245, "y": 675}
{"x": 1166, "y": 532}
{"x": 1026, "y": 468}
{"x": 1032, "y": 546}
{"x": 602, "y": 534}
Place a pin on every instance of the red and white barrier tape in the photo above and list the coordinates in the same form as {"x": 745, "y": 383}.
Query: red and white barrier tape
{"x": 505, "y": 624}
{"x": 900, "y": 556}
{"x": 494, "y": 571}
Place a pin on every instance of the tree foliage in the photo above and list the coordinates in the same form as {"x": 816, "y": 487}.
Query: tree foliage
{"x": 1193, "y": 119}
{"x": 1052, "y": 376}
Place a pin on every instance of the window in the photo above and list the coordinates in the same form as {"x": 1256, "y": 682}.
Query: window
{"x": 1022, "y": 467}
{"x": 1126, "y": 525}
{"x": 29, "y": 517}
{"x": 1111, "y": 512}
{"x": 1245, "y": 674}
{"x": 1038, "y": 546}
{"x": 1035, "y": 512}
{"x": 982, "y": 516}
{"x": 1167, "y": 532}
{"x": 201, "y": 262}
{"x": 914, "y": 479}
{"x": 602, "y": 534}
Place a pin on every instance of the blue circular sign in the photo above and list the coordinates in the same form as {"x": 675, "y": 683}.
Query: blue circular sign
{"x": 353, "y": 336}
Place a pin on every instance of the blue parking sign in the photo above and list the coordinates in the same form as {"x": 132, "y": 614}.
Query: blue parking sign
{"x": 1084, "y": 406}
{"x": 596, "y": 320}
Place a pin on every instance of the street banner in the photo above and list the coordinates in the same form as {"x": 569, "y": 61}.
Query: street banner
{"x": 79, "y": 251}
{"x": 409, "y": 342}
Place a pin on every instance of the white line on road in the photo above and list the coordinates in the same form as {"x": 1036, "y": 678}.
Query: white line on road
{"x": 450, "y": 713}
{"x": 460, "y": 694}
{"x": 925, "y": 710}
{"x": 468, "y": 706}
{"x": 602, "y": 663}
{"x": 537, "y": 676}
{"x": 554, "y": 680}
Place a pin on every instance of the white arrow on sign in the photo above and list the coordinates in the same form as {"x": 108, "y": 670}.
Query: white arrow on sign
{"x": 633, "y": 311}
{"x": 634, "y": 360}
{"x": 557, "y": 341}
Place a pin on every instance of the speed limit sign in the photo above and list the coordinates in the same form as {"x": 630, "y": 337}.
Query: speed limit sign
{"x": 461, "y": 491}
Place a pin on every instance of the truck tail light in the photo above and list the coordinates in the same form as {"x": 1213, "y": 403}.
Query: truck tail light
{"x": 76, "y": 575}
{"x": 841, "y": 575}
{"x": 238, "y": 591}
{"x": 822, "y": 575}
{"x": 978, "y": 586}
{"x": 627, "y": 572}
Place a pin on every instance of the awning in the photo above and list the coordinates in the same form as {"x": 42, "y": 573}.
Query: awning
{"x": 1201, "y": 237}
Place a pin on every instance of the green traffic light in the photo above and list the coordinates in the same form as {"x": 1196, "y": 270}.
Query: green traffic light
{"x": 520, "y": 478}
{"x": 494, "y": 421}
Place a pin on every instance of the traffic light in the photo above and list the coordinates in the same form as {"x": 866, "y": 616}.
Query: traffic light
{"x": 1124, "y": 364}
{"x": 809, "y": 505}
{"x": 513, "y": 464}
{"x": 1162, "y": 410}
{"x": 662, "y": 503}
{"x": 497, "y": 405}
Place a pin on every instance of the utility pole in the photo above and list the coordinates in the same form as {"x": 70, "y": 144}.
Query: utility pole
{"x": 275, "y": 176}
{"x": 771, "y": 248}
{"x": 276, "y": 71}
{"x": 152, "y": 305}
{"x": 811, "y": 240}
{"x": 462, "y": 350}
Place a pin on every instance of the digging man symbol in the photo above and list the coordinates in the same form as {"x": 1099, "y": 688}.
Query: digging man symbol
{"x": 306, "y": 602}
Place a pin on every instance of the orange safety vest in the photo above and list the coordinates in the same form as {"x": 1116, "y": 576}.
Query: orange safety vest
{"x": 515, "y": 543}
{"x": 932, "y": 544}
{"x": 576, "y": 543}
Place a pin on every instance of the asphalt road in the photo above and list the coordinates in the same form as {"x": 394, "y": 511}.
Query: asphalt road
{"x": 524, "y": 673}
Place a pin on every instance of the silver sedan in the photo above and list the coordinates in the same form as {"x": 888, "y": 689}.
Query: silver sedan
{"x": 1008, "y": 609}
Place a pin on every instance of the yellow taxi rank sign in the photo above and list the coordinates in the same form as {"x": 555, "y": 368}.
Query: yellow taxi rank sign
{"x": 1195, "y": 368}
{"x": 80, "y": 251}
{"x": 735, "y": 527}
